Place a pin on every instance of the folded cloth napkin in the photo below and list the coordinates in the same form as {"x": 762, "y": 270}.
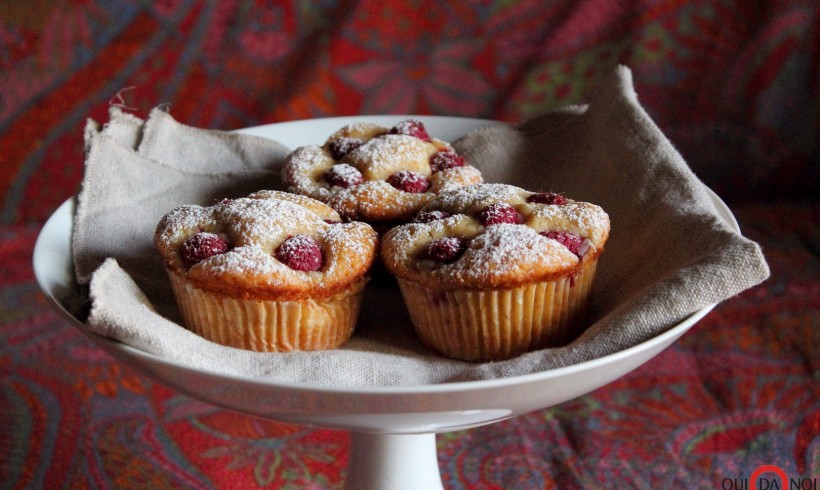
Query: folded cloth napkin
{"x": 136, "y": 171}
{"x": 669, "y": 253}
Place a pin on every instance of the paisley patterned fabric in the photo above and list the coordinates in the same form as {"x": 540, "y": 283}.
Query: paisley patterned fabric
{"x": 734, "y": 84}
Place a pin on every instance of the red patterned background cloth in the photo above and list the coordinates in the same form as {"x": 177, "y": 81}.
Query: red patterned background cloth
{"x": 734, "y": 84}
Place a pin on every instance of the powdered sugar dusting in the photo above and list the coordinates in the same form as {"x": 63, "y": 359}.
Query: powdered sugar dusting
{"x": 474, "y": 198}
{"x": 362, "y": 130}
{"x": 412, "y": 127}
{"x": 343, "y": 175}
{"x": 581, "y": 218}
{"x": 256, "y": 228}
{"x": 500, "y": 251}
{"x": 377, "y": 201}
{"x": 250, "y": 261}
{"x": 428, "y": 216}
{"x": 443, "y": 250}
{"x": 381, "y": 156}
{"x": 346, "y": 243}
{"x": 454, "y": 178}
{"x": 265, "y": 221}
{"x": 498, "y": 213}
{"x": 304, "y": 169}
{"x": 340, "y": 147}
{"x": 407, "y": 181}
{"x": 509, "y": 247}
{"x": 201, "y": 246}
{"x": 301, "y": 253}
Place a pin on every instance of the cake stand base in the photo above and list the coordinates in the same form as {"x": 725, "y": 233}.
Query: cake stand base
{"x": 393, "y": 462}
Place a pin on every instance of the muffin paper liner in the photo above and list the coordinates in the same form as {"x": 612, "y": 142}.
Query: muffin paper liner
{"x": 267, "y": 325}
{"x": 489, "y": 325}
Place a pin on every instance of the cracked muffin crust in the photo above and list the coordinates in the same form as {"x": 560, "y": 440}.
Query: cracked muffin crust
{"x": 377, "y": 174}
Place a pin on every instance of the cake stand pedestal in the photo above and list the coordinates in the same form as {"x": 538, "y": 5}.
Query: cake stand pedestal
{"x": 393, "y": 461}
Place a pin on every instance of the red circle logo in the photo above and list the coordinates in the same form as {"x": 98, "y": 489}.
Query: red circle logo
{"x": 765, "y": 468}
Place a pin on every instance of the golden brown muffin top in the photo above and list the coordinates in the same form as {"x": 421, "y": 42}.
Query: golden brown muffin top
{"x": 270, "y": 246}
{"x": 376, "y": 174}
{"x": 492, "y": 236}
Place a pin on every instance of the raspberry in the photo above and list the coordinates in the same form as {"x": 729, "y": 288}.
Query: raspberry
{"x": 573, "y": 242}
{"x": 202, "y": 246}
{"x": 301, "y": 253}
{"x": 331, "y": 221}
{"x": 496, "y": 214}
{"x": 547, "y": 198}
{"x": 411, "y": 127}
{"x": 343, "y": 175}
{"x": 428, "y": 216}
{"x": 444, "y": 250}
{"x": 408, "y": 181}
{"x": 445, "y": 159}
{"x": 342, "y": 146}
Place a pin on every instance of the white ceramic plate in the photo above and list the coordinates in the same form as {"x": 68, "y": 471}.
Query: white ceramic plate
{"x": 385, "y": 410}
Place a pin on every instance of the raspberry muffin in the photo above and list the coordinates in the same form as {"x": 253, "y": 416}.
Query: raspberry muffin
{"x": 379, "y": 175}
{"x": 491, "y": 271}
{"x": 270, "y": 272}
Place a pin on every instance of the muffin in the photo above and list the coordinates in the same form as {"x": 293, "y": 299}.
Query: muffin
{"x": 379, "y": 175}
{"x": 491, "y": 271}
{"x": 271, "y": 272}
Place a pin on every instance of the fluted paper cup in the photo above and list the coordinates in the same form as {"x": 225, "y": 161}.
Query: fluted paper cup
{"x": 267, "y": 325}
{"x": 491, "y": 325}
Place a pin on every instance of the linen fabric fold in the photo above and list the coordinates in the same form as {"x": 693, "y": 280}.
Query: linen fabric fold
{"x": 669, "y": 254}
{"x": 126, "y": 190}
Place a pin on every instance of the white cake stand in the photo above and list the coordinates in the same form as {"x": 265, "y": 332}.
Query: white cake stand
{"x": 393, "y": 429}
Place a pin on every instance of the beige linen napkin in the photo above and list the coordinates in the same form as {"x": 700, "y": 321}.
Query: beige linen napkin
{"x": 133, "y": 177}
{"x": 669, "y": 253}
